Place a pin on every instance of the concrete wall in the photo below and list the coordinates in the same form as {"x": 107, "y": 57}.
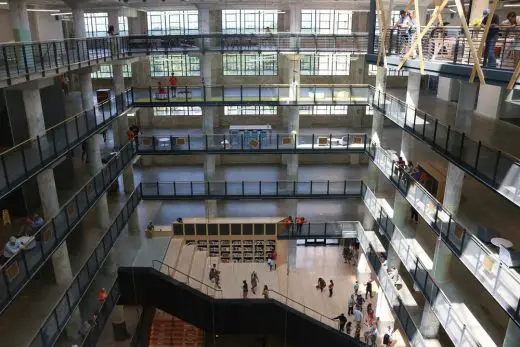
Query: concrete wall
{"x": 45, "y": 27}
{"x": 6, "y": 28}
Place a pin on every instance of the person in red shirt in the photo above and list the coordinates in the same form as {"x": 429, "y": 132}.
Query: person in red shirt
{"x": 173, "y": 84}
{"x": 160, "y": 88}
{"x": 299, "y": 224}
{"x": 130, "y": 133}
{"x": 288, "y": 224}
{"x": 274, "y": 256}
{"x": 102, "y": 295}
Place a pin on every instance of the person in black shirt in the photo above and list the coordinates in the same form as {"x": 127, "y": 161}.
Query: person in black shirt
{"x": 368, "y": 289}
{"x": 245, "y": 289}
{"x": 491, "y": 39}
{"x": 342, "y": 321}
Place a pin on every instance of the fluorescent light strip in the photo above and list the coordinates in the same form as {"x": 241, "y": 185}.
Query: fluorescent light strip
{"x": 511, "y": 5}
{"x": 41, "y": 10}
{"x": 61, "y": 14}
{"x": 3, "y": 3}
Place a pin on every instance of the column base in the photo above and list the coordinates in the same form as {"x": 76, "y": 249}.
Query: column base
{"x": 120, "y": 331}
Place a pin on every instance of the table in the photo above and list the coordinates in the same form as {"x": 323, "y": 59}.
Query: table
{"x": 27, "y": 242}
{"x": 498, "y": 241}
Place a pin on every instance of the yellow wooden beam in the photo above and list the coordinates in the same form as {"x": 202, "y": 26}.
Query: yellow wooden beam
{"x": 484, "y": 36}
{"x": 514, "y": 78}
{"x": 476, "y": 60}
{"x": 423, "y": 33}
{"x": 382, "y": 39}
{"x": 417, "y": 31}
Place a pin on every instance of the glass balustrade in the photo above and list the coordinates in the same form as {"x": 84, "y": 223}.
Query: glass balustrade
{"x": 57, "y": 320}
{"x": 501, "y": 282}
{"x": 275, "y": 94}
{"x": 388, "y": 288}
{"x": 268, "y": 142}
{"x": 438, "y": 301}
{"x": 498, "y": 170}
{"x": 258, "y": 189}
{"x": 21, "y": 267}
{"x": 32, "y": 156}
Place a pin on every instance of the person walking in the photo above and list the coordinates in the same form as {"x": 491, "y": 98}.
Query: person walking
{"x": 245, "y": 290}
{"x": 254, "y": 282}
{"x": 360, "y": 301}
{"x": 342, "y": 321}
{"x": 274, "y": 256}
{"x": 348, "y": 328}
{"x": 356, "y": 287}
{"x": 351, "y": 303}
{"x": 213, "y": 273}
{"x": 270, "y": 262}
{"x": 265, "y": 292}
{"x": 331, "y": 288}
{"x": 368, "y": 289}
{"x": 217, "y": 279}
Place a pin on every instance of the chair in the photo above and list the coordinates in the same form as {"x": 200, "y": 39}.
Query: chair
{"x": 486, "y": 234}
{"x": 509, "y": 258}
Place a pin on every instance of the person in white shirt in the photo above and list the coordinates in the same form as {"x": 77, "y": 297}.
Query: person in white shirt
{"x": 12, "y": 247}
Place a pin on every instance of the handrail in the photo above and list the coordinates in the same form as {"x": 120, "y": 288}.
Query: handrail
{"x": 71, "y": 119}
{"x": 393, "y": 97}
{"x": 377, "y": 206}
{"x": 188, "y": 277}
{"x": 50, "y": 221}
{"x": 299, "y": 303}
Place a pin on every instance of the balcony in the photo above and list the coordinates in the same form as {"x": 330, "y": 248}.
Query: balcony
{"x": 446, "y": 52}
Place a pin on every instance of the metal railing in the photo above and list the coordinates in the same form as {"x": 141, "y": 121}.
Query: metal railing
{"x": 272, "y": 143}
{"x": 388, "y": 288}
{"x": 490, "y": 166}
{"x": 21, "y": 267}
{"x": 340, "y": 229}
{"x": 30, "y": 157}
{"x": 103, "y": 316}
{"x": 187, "y": 279}
{"x": 438, "y": 300}
{"x": 251, "y": 189}
{"x": 58, "y": 318}
{"x": 500, "y": 281}
{"x": 21, "y": 59}
{"x": 449, "y": 44}
{"x": 266, "y": 94}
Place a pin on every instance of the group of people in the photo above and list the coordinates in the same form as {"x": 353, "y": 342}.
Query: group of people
{"x": 254, "y": 285}
{"x": 172, "y": 83}
{"x": 351, "y": 253}
{"x": 355, "y": 309}
{"x": 322, "y": 284}
{"x": 406, "y": 24}
{"x": 414, "y": 172}
{"x": 290, "y": 224}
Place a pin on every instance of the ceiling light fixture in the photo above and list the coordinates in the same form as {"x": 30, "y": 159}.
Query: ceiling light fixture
{"x": 511, "y": 5}
{"x": 3, "y": 3}
{"x": 41, "y": 10}
{"x": 61, "y": 14}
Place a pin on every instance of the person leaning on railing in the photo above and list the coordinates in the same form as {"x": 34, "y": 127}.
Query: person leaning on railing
{"x": 512, "y": 23}
{"x": 491, "y": 39}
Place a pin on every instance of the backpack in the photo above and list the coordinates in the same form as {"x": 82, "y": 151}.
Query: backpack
{"x": 386, "y": 339}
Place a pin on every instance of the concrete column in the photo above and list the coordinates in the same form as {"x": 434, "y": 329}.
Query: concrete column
{"x": 209, "y": 175}
{"x": 20, "y": 20}
{"x": 95, "y": 165}
{"x": 429, "y": 326}
{"x": 490, "y": 100}
{"x": 119, "y": 324}
{"x": 463, "y": 119}
{"x": 134, "y": 226}
{"x": 412, "y": 99}
{"x": 441, "y": 261}
{"x": 78, "y": 17}
{"x": 113, "y": 19}
{"x": 290, "y": 65}
{"x": 401, "y": 209}
{"x": 85, "y": 83}
{"x": 363, "y": 270}
{"x": 295, "y": 19}
{"x": 512, "y": 335}
{"x": 447, "y": 89}
{"x": 120, "y": 125}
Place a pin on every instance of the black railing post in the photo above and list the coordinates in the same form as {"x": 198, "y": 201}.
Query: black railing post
{"x": 260, "y": 187}
{"x": 312, "y": 147}
{"x": 328, "y": 187}
{"x": 191, "y": 188}
{"x": 447, "y": 140}
{"x": 461, "y": 146}
{"x": 435, "y": 131}
{"x": 477, "y": 156}
{"x": 311, "y": 188}
{"x": 40, "y": 150}
{"x": 243, "y": 192}
{"x": 344, "y": 187}
{"x": 495, "y": 171}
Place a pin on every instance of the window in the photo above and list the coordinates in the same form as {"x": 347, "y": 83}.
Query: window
{"x": 178, "y": 65}
{"x": 122, "y": 26}
{"x": 249, "y": 21}
{"x": 372, "y": 71}
{"x": 326, "y": 21}
{"x": 323, "y": 110}
{"x": 327, "y": 64}
{"x": 250, "y": 110}
{"x": 96, "y": 24}
{"x": 184, "y": 22}
{"x": 177, "y": 111}
{"x": 250, "y": 64}
{"x": 106, "y": 71}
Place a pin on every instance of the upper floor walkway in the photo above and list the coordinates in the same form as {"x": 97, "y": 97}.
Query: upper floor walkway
{"x": 20, "y": 62}
{"x": 446, "y": 52}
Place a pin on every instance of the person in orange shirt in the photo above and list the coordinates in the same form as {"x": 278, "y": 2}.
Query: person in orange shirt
{"x": 130, "y": 133}
{"x": 288, "y": 224}
{"x": 173, "y": 84}
{"x": 299, "y": 224}
{"x": 102, "y": 295}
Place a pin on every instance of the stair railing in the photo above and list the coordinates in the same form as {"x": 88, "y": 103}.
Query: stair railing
{"x": 180, "y": 276}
